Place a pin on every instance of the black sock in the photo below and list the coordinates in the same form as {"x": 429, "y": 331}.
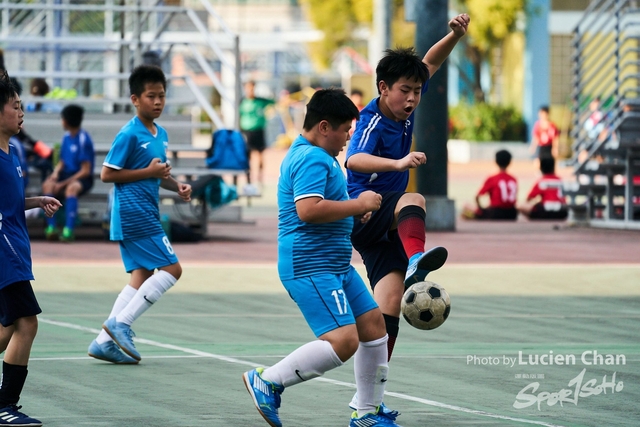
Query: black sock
{"x": 13, "y": 379}
{"x": 393, "y": 327}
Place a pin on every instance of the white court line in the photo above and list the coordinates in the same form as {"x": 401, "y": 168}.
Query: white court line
{"x": 326, "y": 380}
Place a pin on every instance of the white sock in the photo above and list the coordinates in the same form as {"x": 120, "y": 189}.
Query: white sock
{"x": 150, "y": 292}
{"x": 309, "y": 361}
{"x": 121, "y": 302}
{"x": 371, "y": 368}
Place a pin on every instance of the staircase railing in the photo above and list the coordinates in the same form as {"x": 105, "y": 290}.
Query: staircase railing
{"x": 96, "y": 45}
{"x": 606, "y": 64}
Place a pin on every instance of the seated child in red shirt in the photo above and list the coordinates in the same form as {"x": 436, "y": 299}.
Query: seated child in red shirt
{"x": 545, "y": 200}
{"x": 502, "y": 189}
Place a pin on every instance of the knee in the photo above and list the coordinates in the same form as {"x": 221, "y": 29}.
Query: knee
{"x": 27, "y": 327}
{"x": 348, "y": 348}
{"x": 175, "y": 270}
{"x": 412, "y": 199}
{"x": 73, "y": 189}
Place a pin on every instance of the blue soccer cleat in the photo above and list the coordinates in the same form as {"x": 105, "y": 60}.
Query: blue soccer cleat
{"x": 424, "y": 262}
{"x": 265, "y": 395}
{"x": 377, "y": 419}
{"x": 11, "y": 416}
{"x": 391, "y": 413}
{"x": 110, "y": 352}
{"x": 123, "y": 336}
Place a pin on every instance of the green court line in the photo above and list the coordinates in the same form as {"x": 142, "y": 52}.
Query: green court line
{"x": 199, "y": 353}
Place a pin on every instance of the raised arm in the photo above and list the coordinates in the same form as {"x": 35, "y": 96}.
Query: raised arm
{"x": 440, "y": 51}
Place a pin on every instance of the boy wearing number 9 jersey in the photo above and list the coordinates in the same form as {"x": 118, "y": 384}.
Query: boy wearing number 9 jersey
{"x": 137, "y": 164}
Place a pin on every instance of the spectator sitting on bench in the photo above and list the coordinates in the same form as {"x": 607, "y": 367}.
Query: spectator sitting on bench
{"x": 502, "y": 189}
{"x": 545, "y": 200}
{"x": 73, "y": 174}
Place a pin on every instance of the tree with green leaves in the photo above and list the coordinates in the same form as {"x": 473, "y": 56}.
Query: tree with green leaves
{"x": 338, "y": 19}
{"x": 493, "y": 21}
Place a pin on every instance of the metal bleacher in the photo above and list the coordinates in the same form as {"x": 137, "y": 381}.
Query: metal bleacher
{"x": 90, "y": 47}
{"x": 607, "y": 158}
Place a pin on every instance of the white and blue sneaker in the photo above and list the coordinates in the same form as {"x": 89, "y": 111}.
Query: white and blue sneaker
{"x": 110, "y": 352}
{"x": 391, "y": 413}
{"x": 11, "y": 416}
{"x": 122, "y": 334}
{"x": 424, "y": 262}
{"x": 377, "y": 419}
{"x": 265, "y": 395}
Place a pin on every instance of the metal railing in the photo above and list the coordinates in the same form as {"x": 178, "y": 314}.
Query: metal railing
{"x": 606, "y": 68}
{"x": 92, "y": 47}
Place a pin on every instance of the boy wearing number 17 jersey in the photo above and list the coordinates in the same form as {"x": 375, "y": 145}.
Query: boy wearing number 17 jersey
{"x": 137, "y": 164}
{"x": 315, "y": 219}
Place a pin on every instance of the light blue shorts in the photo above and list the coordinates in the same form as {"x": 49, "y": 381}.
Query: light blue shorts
{"x": 328, "y": 301}
{"x": 148, "y": 253}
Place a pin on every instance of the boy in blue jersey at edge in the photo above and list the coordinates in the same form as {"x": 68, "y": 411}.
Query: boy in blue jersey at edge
{"x": 315, "y": 218}
{"x": 379, "y": 158}
{"x": 18, "y": 304}
{"x": 137, "y": 164}
{"x": 73, "y": 175}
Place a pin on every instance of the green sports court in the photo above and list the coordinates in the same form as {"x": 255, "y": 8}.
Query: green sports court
{"x": 544, "y": 316}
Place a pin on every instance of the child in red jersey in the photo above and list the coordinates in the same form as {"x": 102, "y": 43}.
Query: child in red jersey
{"x": 546, "y": 200}
{"x": 502, "y": 189}
{"x": 545, "y": 135}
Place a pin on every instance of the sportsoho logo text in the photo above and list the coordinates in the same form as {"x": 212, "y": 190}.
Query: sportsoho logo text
{"x": 579, "y": 387}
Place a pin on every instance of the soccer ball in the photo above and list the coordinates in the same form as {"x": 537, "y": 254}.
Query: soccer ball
{"x": 425, "y": 305}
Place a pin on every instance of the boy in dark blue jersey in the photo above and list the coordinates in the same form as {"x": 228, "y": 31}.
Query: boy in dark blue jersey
{"x": 137, "y": 164}
{"x": 73, "y": 175}
{"x": 18, "y": 305}
{"x": 379, "y": 158}
{"x": 315, "y": 218}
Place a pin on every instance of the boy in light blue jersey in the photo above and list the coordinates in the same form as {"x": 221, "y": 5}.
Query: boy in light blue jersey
{"x": 18, "y": 304}
{"x": 137, "y": 164}
{"x": 315, "y": 218}
{"x": 392, "y": 243}
{"x": 73, "y": 175}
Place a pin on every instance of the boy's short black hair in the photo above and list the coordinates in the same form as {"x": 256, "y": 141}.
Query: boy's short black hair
{"x": 17, "y": 85}
{"x": 332, "y": 105}
{"x": 73, "y": 114}
{"x": 398, "y": 63}
{"x": 545, "y": 108}
{"x": 8, "y": 91}
{"x": 503, "y": 158}
{"x": 356, "y": 92}
{"x": 547, "y": 165}
{"x": 144, "y": 74}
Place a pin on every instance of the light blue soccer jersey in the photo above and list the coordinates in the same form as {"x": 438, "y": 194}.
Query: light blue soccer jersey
{"x": 305, "y": 249}
{"x": 135, "y": 213}
{"x": 15, "y": 249}
{"x": 380, "y": 136}
{"x": 75, "y": 150}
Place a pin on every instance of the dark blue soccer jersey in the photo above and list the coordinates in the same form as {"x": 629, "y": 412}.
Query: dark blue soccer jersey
{"x": 75, "y": 150}
{"x": 380, "y": 136}
{"x": 135, "y": 213}
{"x": 15, "y": 249}
{"x": 305, "y": 249}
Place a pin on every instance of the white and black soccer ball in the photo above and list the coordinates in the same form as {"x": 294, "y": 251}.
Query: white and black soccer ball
{"x": 425, "y": 305}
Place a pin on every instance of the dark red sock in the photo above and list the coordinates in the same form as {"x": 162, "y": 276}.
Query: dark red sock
{"x": 393, "y": 327}
{"x": 411, "y": 229}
